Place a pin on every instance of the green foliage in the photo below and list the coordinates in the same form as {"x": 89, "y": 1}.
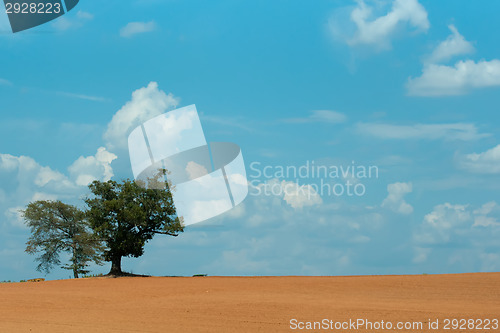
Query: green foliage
{"x": 57, "y": 227}
{"x": 127, "y": 215}
{"x": 92, "y": 275}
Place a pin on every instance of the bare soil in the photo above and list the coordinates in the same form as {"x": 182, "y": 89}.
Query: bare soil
{"x": 243, "y": 304}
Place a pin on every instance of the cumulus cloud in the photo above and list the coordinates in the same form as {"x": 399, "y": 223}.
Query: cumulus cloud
{"x": 25, "y": 180}
{"x": 378, "y": 31}
{"x": 146, "y": 103}
{"x": 272, "y": 237}
{"x": 485, "y": 221}
{"x": 299, "y": 196}
{"x": 25, "y": 171}
{"x": 487, "y": 162}
{"x": 43, "y": 196}
{"x": 482, "y": 215}
{"x": 321, "y": 116}
{"x": 462, "y": 77}
{"x": 195, "y": 170}
{"x": 448, "y": 221}
{"x": 440, "y": 224}
{"x": 395, "y": 199}
{"x": 295, "y": 195}
{"x": 458, "y": 235}
{"x": 135, "y": 28}
{"x": 453, "y": 46}
{"x": 486, "y": 208}
{"x": 14, "y": 216}
{"x": 451, "y": 131}
{"x": 87, "y": 169}
{"x": 46, "y": 175}
{"x": 442, "y": 80}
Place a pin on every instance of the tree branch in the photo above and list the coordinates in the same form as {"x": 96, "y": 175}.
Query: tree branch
{"x": 166, "y": 233}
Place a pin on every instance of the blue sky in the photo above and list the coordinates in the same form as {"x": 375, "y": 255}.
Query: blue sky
{"x": 409, "y": 86}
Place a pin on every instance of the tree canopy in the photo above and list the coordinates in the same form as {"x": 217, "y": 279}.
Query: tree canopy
{"x": 57, "y": 227}
{"x": 127, "y": 215}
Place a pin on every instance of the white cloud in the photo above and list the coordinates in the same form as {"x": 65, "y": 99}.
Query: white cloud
{"x": 482, "y": 218}
{"x": 321, "y": 116}
{"x": 43, "y": 196}
{"x": 443, "y": 80}
{"x": 9, "y": 163}
{"x": 195, "y": 170}
{"x": 453, "y": 46}
{"x": 469, "y": 232}
{"x": 273, "y": 238}
{"x": 65, "y": 23}
{"x": 395, "y": 199}
{"x": 237, "y": 212}
{"x": 299, "y": 196}
{"x": 487, "y": 162}
{"x": 25, "y": 180}
{"x": 486, "y": 208}
{"x": 378, "y": 31}
{"x": 15, "y": 217}
{"x": 46, "y": 175}
{"x": 87, "y": 169}
{"x": 22, "y": 177}
{"x": 134, "y": 28}
{"x": 440, "y": 225}
{"x": 451, "y": 131}
{"x": 485, "y": 221}
{"x": 448, "y": 221}
{"x": 295, "y": 195}
{"x": 146, "y": 103}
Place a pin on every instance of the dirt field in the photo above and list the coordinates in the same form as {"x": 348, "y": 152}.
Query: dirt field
{"x": 239, "y": 304}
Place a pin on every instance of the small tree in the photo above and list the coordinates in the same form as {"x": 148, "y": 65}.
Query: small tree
{"x": 127, "y": 215}
{"x": 57, "y": 227}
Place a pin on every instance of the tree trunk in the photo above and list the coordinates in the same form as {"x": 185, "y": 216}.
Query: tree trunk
{"x": 116, "y": 265}
{"x": 74, "y": 259}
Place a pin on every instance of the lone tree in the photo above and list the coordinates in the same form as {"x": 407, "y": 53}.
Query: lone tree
{"x": 127, "y": 215}
{"x": 57, "y": 227}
